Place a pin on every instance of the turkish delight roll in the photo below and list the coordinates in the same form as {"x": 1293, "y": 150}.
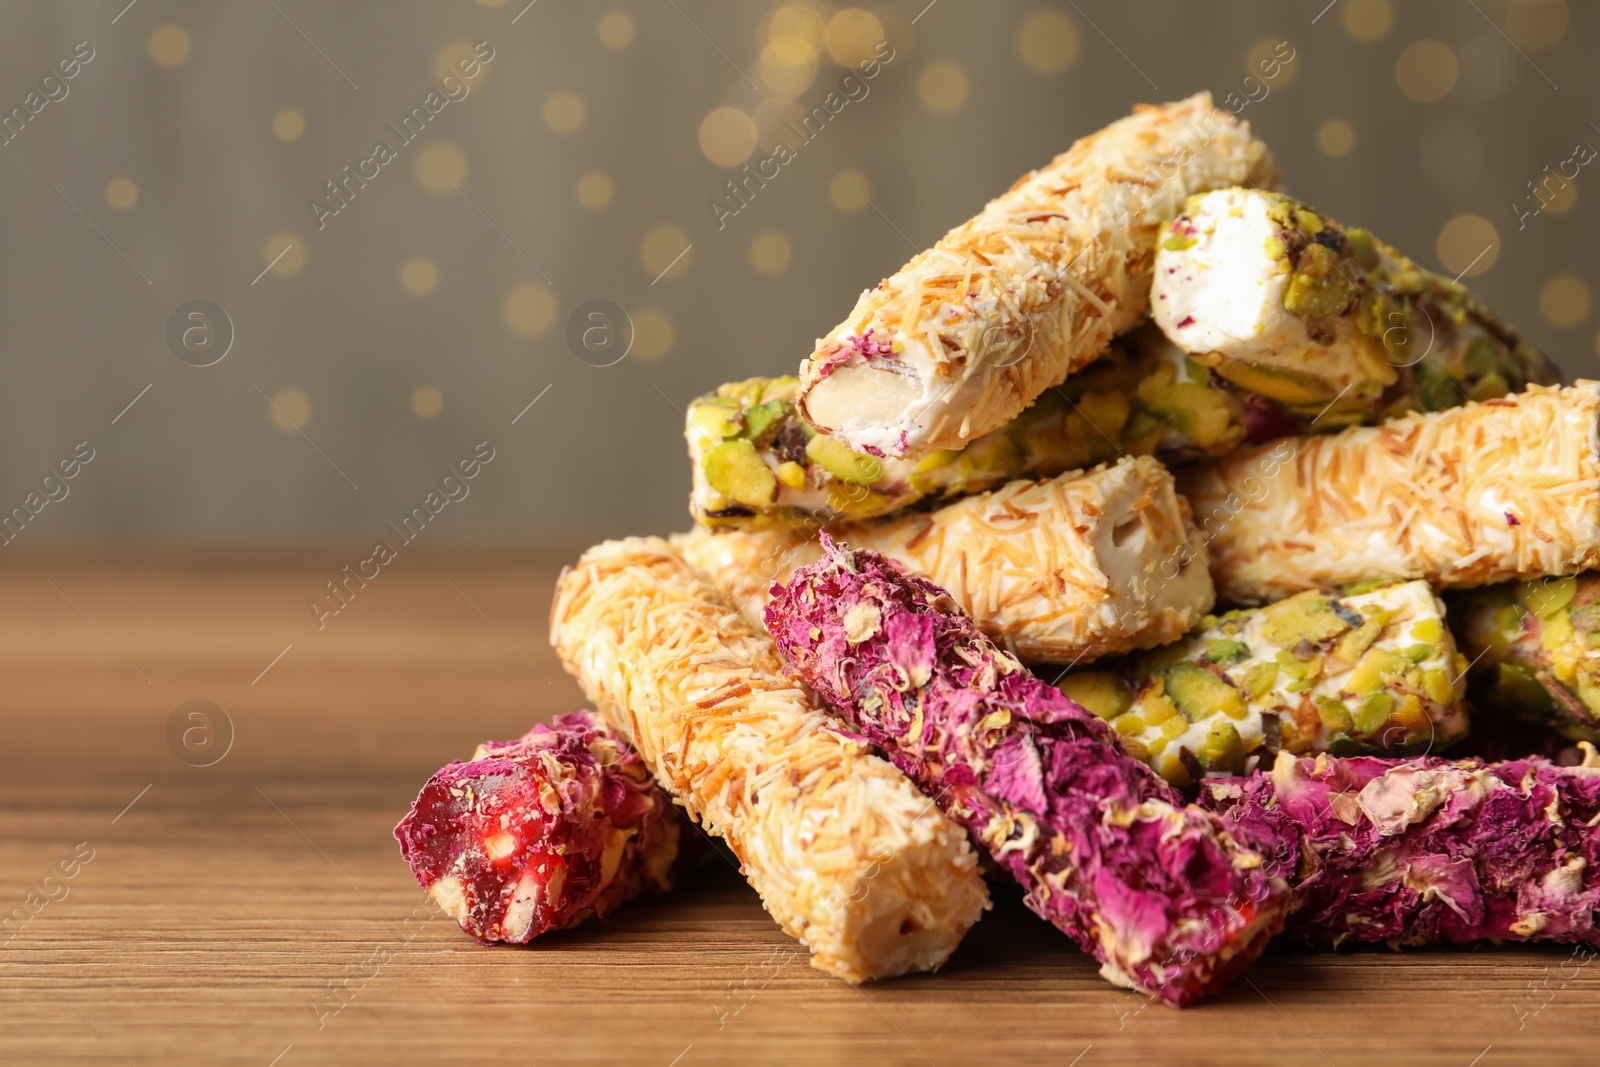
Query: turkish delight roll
{"x": 1084, "y": 565}
{"x": 1159, "y": 892}
{"x": 964, "y": 337}
{"x": 847, "y": 856}
{"x": 1535, "y": 649}
{"x": 543, "y": 832}
{"x": 1426, "y": 850}
{"x": 1330, "y": 323}
{"x": 756, "y": 463}
{"x": 1483, "y": 493}
{"x": 1374, "y": 671}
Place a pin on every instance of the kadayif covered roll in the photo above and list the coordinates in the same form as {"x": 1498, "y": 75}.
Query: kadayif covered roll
{"x": 1483, "y": 493}
{"x": 1425, "y": 851}
{"x": 847, "y": 856}
{"x": 1085, "y": 565}
{"x": 1328, "y": 322}
{"x": 541, "y": 833}
{"x": 756, "y": 462}
{"x": 1371, "y": 671}
{"x": 1157, "y": 891}
{"x": 967, "y": 335}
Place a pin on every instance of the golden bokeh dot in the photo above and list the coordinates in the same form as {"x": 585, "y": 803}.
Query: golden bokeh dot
{"x": 1537, "y": 23}
{"x": 801, "y": 21}
{"x": 770, "y": 253}
{"x": 286, "y": 253}
{"x": 1468, "y": 245}
{"x": 1564, "y": 301}
{"x": 1427, "y": 71}
{"x": 530, "y": 309}
{"x": 1263, "y": 56}
{"x": 943, "y": 87}
{"x": 122, "y": 193}
{"x": 661, "y": 248}
{"x": 1047, "y": 42}
{"x": 615, "y": 29}
{"x": 289, "y": 409}
{"x": 288, "y": 125}
{"x": 727, "y": 136}
{"x": 1366, "y": 20}
{"x": 169, "y": 46}
{"x": 852, "y": 35}
{"x": 419, "y": 276}
{"x": 788, "y": 66}
{"x": 1336, "y": 138}
{"x": 594, "y": 190}
{"x": 564, "y": 112}
{"x": 1563, "y": 199}
{"x": 849, "y": 190}
{"x": 451, "y": 55}
{"x": 440, "y": 166}
{"x": 427, "y": 402}
{"x": 491, "y": 3}
{"x": 653, "y": 334}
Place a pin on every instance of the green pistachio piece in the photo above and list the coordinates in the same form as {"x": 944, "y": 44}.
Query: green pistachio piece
{"x": 1223, "y": 748}
{"x": 736, "y": 470}
{"x": 1199, "y": 694}
{"x": 762, "y": 422}
{"x": 1334, "y": 715}
{"x": 853, "y": 468}
{"x": 1101, "y": 692}
{"x": 1221, "y": 650}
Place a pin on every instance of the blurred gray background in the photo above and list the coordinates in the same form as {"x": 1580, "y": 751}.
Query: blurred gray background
{"x": 376, "y": 351}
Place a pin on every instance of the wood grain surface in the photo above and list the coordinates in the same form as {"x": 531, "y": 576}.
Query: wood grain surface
{"x": 256, "y": 911}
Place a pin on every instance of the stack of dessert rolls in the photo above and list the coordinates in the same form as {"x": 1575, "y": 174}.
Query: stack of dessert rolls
{"x": 1158, "y": 538}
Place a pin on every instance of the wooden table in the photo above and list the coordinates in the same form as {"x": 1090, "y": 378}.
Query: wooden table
{"x": 255, "y": 911}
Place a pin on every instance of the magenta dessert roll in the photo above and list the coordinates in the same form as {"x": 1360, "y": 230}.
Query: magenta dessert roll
{"x": 1426, "y": 850}
{"x": 543, "y": 832}
{"x": 1108, "y": 852}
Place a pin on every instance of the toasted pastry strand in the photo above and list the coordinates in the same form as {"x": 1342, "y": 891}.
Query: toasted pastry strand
{"x": 1502, "y": 489}
{"x": 1081, "y": 566}
{"x": 846, "y": 854}
{"x": 1425, "y": 851}
{"x": 971, "y": 331}
{"x": 1329, "y": 322}
{"x": 1374, "y": 671}
{"x": 1157, "y": 891}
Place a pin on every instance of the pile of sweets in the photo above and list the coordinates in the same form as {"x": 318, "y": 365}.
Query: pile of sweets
{"x": 1374, "y": 532}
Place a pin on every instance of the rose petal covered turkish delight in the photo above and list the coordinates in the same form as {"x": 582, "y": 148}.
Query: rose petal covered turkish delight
{"x": 1425, "y": 850}
{"x": 543, "y": 832}
{"x": 1158, "y": 891}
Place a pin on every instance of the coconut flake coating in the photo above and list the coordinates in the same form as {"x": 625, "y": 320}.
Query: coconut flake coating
{"x": 543, "y": 832}
{"x": 1159, "y": 892}
{"x": 1426, "y": 850}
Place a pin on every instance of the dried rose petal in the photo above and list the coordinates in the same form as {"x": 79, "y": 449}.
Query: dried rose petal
{"x": 541, "y": 833}
{"x": 1426, "y": 850}
{"x": 1107, "y": 851}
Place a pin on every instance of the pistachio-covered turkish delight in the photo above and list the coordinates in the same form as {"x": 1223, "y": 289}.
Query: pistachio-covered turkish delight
{"x": 1426, "y": 850}
{"x": 962, "y": 339}
{"x": 1085, "y": 565}
{"x": 1373, "y": 671}
{"x": 847, "y": 856}
{"x": 1156, "y": 890}
{"x": 1487, "y": 492}
{"x": 756, "y": 462}
{"x": 543, "y": 832}
{"x": 1535, "y": 648}
{"x": 1325, "y": 320}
